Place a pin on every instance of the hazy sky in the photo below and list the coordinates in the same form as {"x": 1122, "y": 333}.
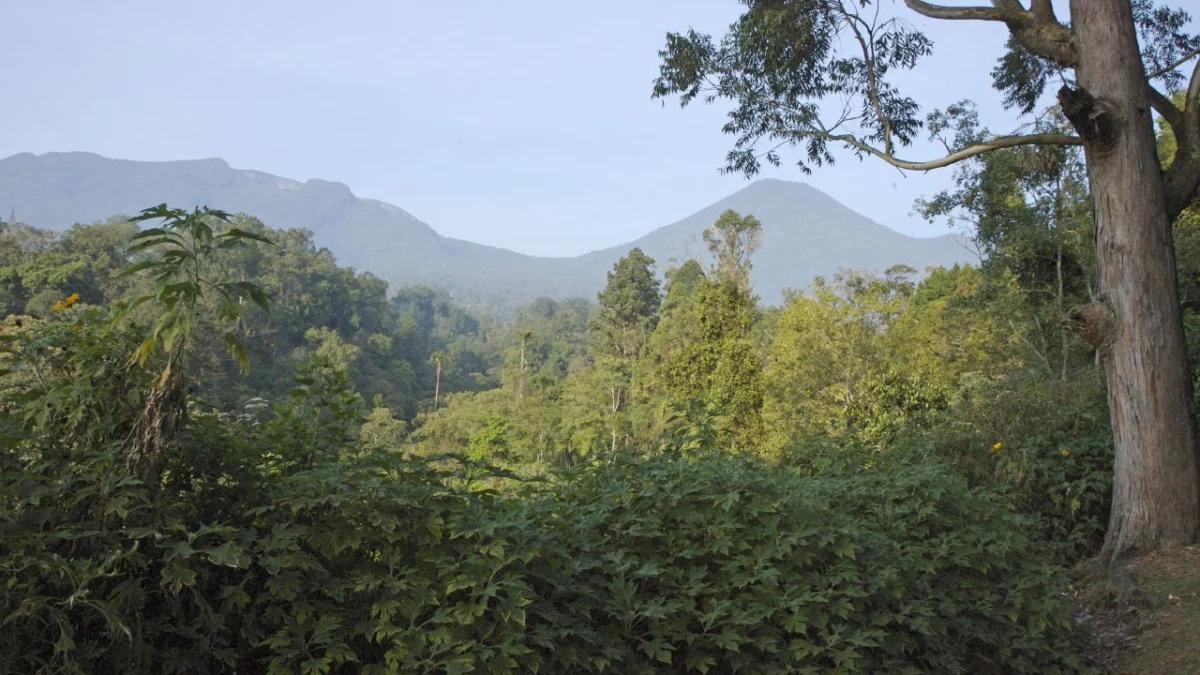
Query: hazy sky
{"x": 521, "y": 123}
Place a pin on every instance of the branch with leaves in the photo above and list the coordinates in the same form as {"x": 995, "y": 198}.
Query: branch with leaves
{"x": 780, "y": 61}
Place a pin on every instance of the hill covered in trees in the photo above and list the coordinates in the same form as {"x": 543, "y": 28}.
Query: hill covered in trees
{"x": 807, "y": 233}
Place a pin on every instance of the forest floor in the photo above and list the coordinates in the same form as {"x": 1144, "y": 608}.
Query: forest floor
{"x": 1152, "y": 626}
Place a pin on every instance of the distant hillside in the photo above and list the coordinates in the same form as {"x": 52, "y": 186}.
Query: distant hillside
{"x": 805, "y": 232}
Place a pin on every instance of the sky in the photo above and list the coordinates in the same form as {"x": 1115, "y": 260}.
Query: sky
{"x": 526, "y": 124}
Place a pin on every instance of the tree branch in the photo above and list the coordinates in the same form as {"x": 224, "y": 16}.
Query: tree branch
{"x": 956, "y": 13}
{"x": 1165, "y": 107}
{"x": 1182, "y": 179}
{"x": 1043, "y": 10}
{"x": 872, "y": 80}
{"x": 1182, "y": 60}
{"x": 1037, "y": 29}
{"x": 998, "y": 143}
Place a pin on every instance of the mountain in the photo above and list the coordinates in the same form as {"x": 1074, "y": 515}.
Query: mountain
{"x": 806, "y": 233}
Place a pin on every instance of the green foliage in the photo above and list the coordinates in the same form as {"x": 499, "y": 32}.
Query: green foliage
{"x": 491, "y": 442}
{"x": 724, "y": 565}
{"x": 319, "y": 420}
{"x": 1027, "y": 209}
{"x": 1049, "y": 444}
{"x": 628, "y": 306}
{"x": 732, "y": 240}
{"x": 239, "y": 563}
{"x": 38, "y": 268}
{"x": 720, "y": 369}
{"x": 289, "y": 527}
{"x": 780, "y": 60}
{"x": 381, "y": 430}
{"x": 182, "y": 247}
{"x": 1042, "y": 447}
{"x": 385, "y": 344}
{"x": 868, "y": 356}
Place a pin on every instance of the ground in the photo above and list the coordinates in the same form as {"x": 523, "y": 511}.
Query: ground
{"x": 1149, "y": 624}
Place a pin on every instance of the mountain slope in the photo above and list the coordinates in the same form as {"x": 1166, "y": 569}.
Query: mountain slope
{"x": 805, "y": 232}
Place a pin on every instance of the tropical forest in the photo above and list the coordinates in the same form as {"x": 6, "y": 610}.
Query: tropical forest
{"x": 225, "y": 450}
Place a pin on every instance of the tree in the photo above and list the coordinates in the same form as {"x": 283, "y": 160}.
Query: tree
{"x": 1028, "y": 211}
{"x": 183, "y": 245}
{"x": 783, "y": 58}
{"x": 595, "y": 404}
{"x": 524, "y": 335}
{"x": 719, "y": 371}
{"x": 732, "y": 240}
{"x": 628, "y": 307}
{"x": 627, "y": 314}
{"x": 437, "y": 376}
{"x": 833, "y": 349}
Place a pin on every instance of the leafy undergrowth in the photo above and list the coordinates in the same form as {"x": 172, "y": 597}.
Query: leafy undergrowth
{"x": 1150, "y": 628}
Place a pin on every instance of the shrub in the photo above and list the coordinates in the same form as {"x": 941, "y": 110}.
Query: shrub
{"x": 665, "y": 565}
{"x": 726, "y": 565}
{"x": 275, "y": 546}
{"x": 1042, "y": 447}
{"x": 1046, "y": 448}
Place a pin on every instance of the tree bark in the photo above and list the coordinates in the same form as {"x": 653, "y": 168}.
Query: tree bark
{"x": 1156, "y": 488}
{"x": 437, "y": 384}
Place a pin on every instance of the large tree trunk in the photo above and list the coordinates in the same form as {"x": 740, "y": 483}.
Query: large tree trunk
{"x": 1137, "y": 321}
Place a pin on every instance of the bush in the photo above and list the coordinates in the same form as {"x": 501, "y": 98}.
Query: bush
{"x": 275, "y": 545}
{"x": 665, "y": 565}
{"x": 1046, "y": 447}
{"x": 726, "y": 565}
{"x": 1042, "y": 447}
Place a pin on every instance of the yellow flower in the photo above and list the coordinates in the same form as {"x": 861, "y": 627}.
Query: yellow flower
{"x": 1065, "y": 452}
{"x": 996, "y": 446}
{"x": 66, "y": 302}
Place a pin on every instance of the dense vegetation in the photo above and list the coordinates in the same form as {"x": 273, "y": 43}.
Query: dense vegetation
{"x": 809, "y": 78}
{"x": 222, "y": 452}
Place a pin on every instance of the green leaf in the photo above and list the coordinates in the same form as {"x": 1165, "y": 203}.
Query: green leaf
{"x": 139, "y": 267}
{"x": 176, "y": 576}
{"x": 238, "y": 349}
{"x": 65, "y": 643}
{"x": 228, "y": 554}
{"x": 235, "y": 233}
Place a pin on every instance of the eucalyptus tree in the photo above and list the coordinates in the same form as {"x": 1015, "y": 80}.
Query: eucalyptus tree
{"x": 816, "y": 76}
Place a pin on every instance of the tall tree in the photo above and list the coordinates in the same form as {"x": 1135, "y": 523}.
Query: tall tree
{"x": 830, "y": 342}
{"x": 627, "y": 314}
{"x": 628, "y": 307}
{"x": 732, "y": 240}
{"x": 783, "y": 58}
{"x": 716, "y": 370}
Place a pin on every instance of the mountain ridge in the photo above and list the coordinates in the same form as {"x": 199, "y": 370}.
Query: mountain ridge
{"x": 806, "y": 233}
